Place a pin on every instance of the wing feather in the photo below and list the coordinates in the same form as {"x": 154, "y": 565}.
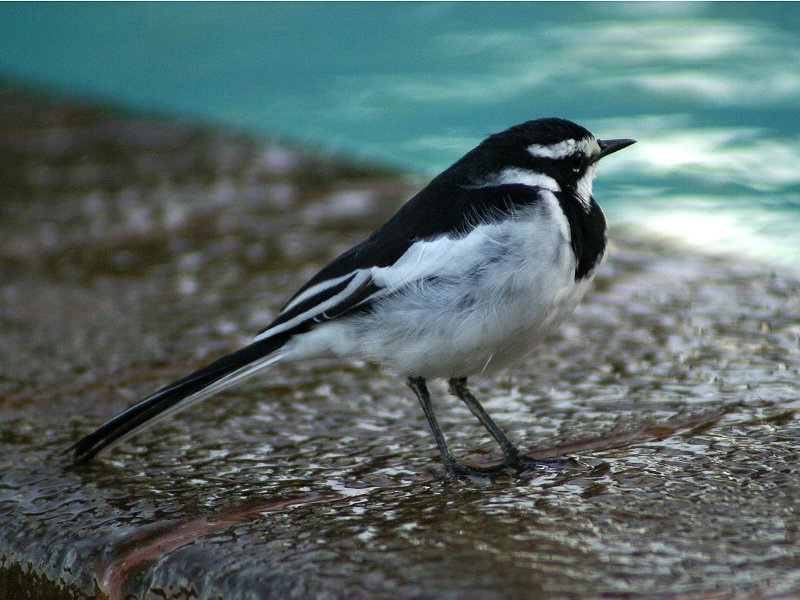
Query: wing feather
{"x": 416, "y": 243}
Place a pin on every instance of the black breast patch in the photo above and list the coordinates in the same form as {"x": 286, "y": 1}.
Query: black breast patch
{"x": 588, "y": 232}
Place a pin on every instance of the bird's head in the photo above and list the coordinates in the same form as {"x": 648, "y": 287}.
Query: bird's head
{"x": 555, "y": 154}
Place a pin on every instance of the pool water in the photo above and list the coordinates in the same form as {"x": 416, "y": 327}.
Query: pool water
{"x": 710, "y": 90}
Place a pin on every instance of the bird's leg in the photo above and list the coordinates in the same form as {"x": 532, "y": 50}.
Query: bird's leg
{"x": 513, "y": 457}
{"x": 454, "y": 469}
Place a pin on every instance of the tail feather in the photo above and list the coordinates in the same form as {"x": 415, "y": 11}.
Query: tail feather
{"x": 176, "y": 396}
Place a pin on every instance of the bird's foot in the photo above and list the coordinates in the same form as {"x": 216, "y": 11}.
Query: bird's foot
{"x": 522, "y": 463}
{"x": 519, "y": 463}
{"x": 455, "y": 471}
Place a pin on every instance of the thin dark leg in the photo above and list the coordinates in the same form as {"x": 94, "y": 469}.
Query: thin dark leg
{"x": 421, "y": 390}
{"x": 455, "y": 470}
{"x": 460, "y": 389}
{"x": 514, "y": 458}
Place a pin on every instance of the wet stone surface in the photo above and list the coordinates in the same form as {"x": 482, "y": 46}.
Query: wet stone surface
{"x": 136, "y": 249}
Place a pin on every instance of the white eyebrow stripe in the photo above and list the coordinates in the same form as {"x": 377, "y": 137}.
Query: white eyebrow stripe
{"x": 561, "y": 149}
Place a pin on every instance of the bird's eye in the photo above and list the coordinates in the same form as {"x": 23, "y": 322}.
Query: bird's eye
{"x": 576, "y": 162}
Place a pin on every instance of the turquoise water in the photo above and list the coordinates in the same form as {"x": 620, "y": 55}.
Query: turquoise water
{"x": 711, "y": 91}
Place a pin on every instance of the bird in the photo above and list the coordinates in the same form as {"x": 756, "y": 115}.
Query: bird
{"x": 466, "y": 279}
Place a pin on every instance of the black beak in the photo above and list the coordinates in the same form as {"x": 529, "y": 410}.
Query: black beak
{"x": 610, "y": 146}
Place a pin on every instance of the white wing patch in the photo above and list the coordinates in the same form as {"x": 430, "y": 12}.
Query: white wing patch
{"x": 442, "y": 256}
{"x": 313, "y": 291}
{"x": 360, "y": 278}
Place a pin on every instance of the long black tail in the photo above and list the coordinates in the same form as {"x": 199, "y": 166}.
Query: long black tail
{"x": 180, "y": 394}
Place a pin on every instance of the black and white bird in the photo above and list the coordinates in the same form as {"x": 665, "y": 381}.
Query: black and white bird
{"x": 464, "y": 280}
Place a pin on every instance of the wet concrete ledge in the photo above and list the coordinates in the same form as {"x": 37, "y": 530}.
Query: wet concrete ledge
{"x": 135, "y": 249}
